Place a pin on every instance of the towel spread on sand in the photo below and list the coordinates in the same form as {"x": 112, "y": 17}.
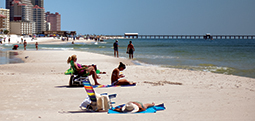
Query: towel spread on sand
{"x": 153, "y": 109}
{"x": 106, "y": 86}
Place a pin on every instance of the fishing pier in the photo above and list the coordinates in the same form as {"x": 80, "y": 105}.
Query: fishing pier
{"x": 207, "y": 36}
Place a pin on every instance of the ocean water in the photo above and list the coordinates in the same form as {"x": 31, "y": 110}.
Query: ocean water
{"x": 225, "y": 56}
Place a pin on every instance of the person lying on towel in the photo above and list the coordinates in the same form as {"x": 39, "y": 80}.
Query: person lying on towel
{"x": 132, "y": 107}
{"x": 117, "y": 78}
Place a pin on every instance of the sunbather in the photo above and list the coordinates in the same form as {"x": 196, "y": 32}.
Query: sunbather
{"x": 117, "y": 78}
{"x": 134, "y": 107}
{"x": 83, "y": 69}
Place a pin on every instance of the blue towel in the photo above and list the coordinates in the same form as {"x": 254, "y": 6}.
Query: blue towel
{"x": 153, "y": 109}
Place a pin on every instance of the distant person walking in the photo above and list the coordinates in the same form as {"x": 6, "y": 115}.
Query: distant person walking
{"x": 36, "y": 45}
{"x": 25, "y": 44}
{"x": 115, "y": 48}
{"x": 130, "y": 50}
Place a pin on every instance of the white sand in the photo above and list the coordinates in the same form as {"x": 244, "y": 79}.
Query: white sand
{"x": 38, "y": 90}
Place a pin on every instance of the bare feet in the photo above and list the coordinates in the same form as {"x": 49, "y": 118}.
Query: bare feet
{"x": 97, "y": 84}
{"x": 153, "y": 103}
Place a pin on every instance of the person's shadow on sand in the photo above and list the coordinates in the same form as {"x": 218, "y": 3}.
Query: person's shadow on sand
{"x": 83, "y": 111}
{"x": 67, "y": 86}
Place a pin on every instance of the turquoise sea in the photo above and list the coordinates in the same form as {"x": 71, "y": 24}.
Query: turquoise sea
{"x": 225, "y": 56}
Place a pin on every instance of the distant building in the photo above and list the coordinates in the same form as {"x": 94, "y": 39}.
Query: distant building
{"x": 48, "y": 26}
{"x": 28, "y": 10}
{"x": 39, "y": 19}
{"x": 8, "y": 4}
{"x": 54, "y": 20}
{"x": 21, "y": 27}
{"x": 38, "y": 2}
{"x": 133, "y": 35}
{"x": 21, "y": 10}
{"x": 4, "y": 19}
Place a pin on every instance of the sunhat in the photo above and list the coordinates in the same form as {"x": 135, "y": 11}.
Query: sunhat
{"x": 130, "y": 107}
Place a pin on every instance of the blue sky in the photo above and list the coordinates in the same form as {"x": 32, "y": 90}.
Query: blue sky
{"x": 168, "y": 17}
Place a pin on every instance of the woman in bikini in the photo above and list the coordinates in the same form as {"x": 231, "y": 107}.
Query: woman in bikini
{"x": 83, "y": 69}
{"x": 117, "y": 78}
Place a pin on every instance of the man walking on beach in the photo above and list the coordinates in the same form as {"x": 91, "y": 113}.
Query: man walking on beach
{"x": 130, "y": 49}
{"x": 115, "y": 48}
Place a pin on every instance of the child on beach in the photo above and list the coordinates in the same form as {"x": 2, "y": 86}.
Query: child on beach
{"x": 116, "y": 76}
{"x": 83, "y": 69}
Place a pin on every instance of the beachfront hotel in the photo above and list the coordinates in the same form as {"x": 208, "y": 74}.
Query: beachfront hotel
{"x": 22, "y": 27}
{"x": 21, "y": 11}
{"x": 54, "y": 20}
{"x": 4, "y": 19}
{"x": 29, "y": 17}
{"x": 39, "y": 19}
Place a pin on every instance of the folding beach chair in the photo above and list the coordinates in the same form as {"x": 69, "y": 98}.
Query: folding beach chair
{"x": 92, "y": 95}
{"x": 75, "y": 78}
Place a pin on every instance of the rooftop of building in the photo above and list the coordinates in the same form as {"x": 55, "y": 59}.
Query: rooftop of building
{"x": 48, "y": 13}
{"x": 37, "y": 7}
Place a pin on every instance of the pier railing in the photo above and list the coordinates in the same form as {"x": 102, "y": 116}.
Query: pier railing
{"x": 186, "y": 36}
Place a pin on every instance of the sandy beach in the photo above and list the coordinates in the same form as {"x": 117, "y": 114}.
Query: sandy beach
{"x": 38, "y": 90}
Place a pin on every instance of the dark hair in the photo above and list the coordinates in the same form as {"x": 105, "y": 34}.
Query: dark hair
{"x": 95, "y": 66}
{"x": 122, "y": 65}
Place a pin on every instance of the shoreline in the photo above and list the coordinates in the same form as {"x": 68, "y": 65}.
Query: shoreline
{"x": 16, "y": 59}
{"x": 38, "y": 89}
{"x": 105, "y": 48}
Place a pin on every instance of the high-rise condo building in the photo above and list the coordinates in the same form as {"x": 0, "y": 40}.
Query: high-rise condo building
{"x": 39, "y": 19}
{"x": 21, "y": 11}
{"x": 8, "y": 4}
{"x": 38, "y": 2}
{"x": 4, "y": 19}
{"x": 54, "y": 20}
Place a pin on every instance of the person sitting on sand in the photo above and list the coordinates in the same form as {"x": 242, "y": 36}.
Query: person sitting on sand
{"x": 132, "y": 107}
{"x": 83, "y": 69}
{"x": 116, "y": 78}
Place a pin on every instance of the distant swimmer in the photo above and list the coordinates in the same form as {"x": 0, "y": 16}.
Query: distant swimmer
{"x": 36, "y": 45}
{"x": 25, "y": 44}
